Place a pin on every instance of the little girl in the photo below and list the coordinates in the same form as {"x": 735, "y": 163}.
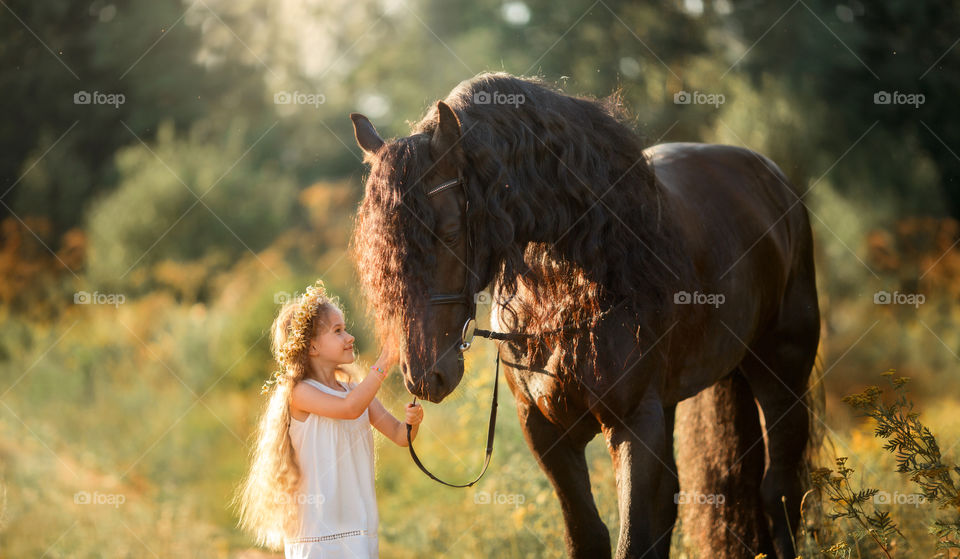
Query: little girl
{"x": 310, "y": 487}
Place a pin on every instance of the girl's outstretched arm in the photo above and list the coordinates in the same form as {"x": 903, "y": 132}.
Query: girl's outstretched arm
{"x": 313, "y": 400}
{"x": 393, "y": 428}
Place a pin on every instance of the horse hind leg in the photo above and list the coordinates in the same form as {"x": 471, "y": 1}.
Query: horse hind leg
{"x": 778, "y": 369}
{"x": 720, "y": 456}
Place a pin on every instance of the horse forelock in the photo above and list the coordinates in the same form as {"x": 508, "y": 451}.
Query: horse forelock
{"x": 393, "y": 244}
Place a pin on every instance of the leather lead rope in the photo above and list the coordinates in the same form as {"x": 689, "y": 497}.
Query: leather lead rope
{"x": 490, "y": 433}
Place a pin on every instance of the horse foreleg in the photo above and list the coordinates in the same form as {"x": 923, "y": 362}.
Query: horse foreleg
{"x": 563, "y": 461}
{"x": 646, "y": 480}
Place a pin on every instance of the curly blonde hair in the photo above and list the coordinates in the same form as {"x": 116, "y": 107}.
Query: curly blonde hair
{"x": 267, "y": 497}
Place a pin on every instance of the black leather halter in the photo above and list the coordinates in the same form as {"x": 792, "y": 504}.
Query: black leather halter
{"x": 466, "y": 339}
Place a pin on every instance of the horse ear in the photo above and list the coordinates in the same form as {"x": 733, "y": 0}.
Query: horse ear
{"x": 446, "y": 138}
{"x": 366, "y": 134}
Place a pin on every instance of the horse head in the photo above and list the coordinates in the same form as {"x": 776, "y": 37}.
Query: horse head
{"x": 413, "y": 248}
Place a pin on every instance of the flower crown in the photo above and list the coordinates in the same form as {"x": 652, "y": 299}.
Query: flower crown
{"x": 298, "y": 335}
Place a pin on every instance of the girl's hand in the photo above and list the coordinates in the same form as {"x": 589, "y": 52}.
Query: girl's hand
{"x": 390, "y": 354}
{"x": 414, "y": 414}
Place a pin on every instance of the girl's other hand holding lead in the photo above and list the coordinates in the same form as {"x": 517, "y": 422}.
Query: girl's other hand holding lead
{"x": 414, "y": 414}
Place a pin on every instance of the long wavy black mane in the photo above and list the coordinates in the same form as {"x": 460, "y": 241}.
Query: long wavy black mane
{"x": 534, "y": 171}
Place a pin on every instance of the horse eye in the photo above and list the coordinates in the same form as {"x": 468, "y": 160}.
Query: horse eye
{"x": 451, "y": 238}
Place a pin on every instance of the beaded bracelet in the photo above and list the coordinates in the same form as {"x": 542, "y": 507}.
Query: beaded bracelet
{"x": 382, "y": 374}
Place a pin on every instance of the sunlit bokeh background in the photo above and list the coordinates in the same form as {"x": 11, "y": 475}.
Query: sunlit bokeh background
{"x": 171, "y": 172}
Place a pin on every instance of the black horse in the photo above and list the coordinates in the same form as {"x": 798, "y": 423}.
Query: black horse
{"x": 680, "y": 266}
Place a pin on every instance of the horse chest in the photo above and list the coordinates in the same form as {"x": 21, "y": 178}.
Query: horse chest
{"x": 539, "y": 386}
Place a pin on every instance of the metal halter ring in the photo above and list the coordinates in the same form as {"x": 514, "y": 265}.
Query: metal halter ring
{"x": 466, "y": 336}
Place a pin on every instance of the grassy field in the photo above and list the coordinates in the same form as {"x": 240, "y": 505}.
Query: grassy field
{"x": 134, "y": 450}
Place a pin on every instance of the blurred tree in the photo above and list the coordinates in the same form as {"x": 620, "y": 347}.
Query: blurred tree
{"x": 56, "y": 154}
{"x": 198, "y": 198}
{"x": 838, "y": 57}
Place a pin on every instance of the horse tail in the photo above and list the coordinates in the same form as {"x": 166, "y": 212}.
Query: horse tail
{"x": 816, "y": 401}
{"x": 811, "y": 509}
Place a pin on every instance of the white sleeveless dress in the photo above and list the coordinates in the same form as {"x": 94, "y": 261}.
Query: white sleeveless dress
{"x": 337, "y": 500}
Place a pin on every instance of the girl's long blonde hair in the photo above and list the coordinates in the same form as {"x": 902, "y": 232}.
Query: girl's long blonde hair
{"x": 267, "y": 498}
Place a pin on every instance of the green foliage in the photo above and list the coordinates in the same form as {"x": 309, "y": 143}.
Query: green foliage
{"x": 56, "y": 49}
{"x": 916, "y": 451}
{"x": 179, "y": 192}
{"x": 917, "y": 455}
{"x": 852, "y": 504}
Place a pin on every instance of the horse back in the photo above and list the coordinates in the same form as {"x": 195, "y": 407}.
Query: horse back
{"x": 748, "y": 234}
